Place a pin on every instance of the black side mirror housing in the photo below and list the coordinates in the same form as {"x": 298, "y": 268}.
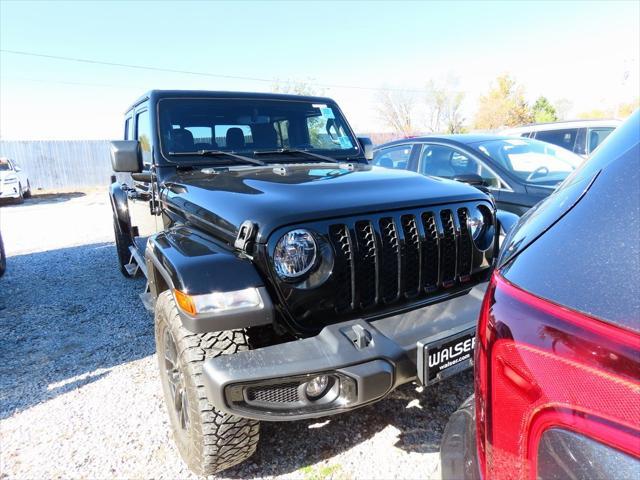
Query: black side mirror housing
{"x": 367, "y": 147}
{"x": 126, "y": 156}
{"x": 506, "y": 220}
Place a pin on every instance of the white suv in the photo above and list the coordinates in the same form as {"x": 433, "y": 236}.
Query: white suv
{"x": 579, "y": 136}
{"x": 13, "y": 181}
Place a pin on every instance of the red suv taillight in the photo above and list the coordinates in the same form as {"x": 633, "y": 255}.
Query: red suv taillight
{"x": 540, "y": 365}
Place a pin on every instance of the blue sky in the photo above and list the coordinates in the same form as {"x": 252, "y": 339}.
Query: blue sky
{"x": 573, "y": 50}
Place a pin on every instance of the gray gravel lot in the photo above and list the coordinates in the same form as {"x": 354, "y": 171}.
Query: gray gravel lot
{"x": 79, "y": 393}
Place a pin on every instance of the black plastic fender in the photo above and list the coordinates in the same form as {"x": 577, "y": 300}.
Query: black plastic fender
{"x": 119, "y": 206}
{"x": 181, "y": 259}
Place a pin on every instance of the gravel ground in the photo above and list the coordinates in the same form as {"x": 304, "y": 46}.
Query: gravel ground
{"x": 79, "y": 393}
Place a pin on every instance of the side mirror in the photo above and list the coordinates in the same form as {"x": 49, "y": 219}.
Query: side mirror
{"x": 470, "y": 178}
{"x": 367, "y": 147}
{"x": 17, "y": 168}
{"x": 506, "y": 221}
{"x": 126, "y": 156}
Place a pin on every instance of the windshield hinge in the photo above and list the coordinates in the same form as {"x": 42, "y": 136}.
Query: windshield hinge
{"x": 246, "y": 236}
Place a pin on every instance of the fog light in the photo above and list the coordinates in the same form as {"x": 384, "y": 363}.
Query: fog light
{"x": 317, "y": 386}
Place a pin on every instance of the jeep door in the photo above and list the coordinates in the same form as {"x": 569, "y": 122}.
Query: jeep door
{"x": 141, "y": 194}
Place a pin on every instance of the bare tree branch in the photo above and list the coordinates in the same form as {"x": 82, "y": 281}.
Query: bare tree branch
{"x": 443, "y": 107}
{"x": 296, "y": 87}
{"x": 395, "y": 109}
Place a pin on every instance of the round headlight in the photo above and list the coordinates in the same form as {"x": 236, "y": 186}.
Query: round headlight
{"x": 475, "y": 222}
{"x": 295, "y": 254}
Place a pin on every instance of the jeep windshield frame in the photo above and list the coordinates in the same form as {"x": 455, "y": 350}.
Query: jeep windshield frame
{"x": 250, "y": 127}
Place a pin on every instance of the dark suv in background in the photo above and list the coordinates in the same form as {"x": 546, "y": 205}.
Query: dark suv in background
{"x": 519, "y": 172}
{"x": 557, "y": 360}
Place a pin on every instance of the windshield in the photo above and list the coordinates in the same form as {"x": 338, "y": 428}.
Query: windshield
{"x": 248, "y": 127}
{"x": 4, "y": 164}
{"x": 531, "y": 160}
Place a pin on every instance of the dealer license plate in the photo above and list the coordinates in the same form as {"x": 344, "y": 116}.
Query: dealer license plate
{"x": 444, "y": 355}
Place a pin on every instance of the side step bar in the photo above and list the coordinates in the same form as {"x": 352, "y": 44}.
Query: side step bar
{"x": 136, "y": 262}
{"x": 148, "y": 301}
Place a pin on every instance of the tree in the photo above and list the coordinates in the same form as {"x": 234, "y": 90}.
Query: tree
{"x": 563, "y": 106}
{"x": 621, "y": 110}
{"x": 596, "y": 114}
{"x": 503, "y": 106}
{"x": 626, "y": 109}
{"x": 443, "y": 108}
{"x": 395, "y": 108}
{"x": 297, "y": 87}
{"x": 543, "y": 111}
{"x": 454, "y": 121}
{"x": 436, "y": 100}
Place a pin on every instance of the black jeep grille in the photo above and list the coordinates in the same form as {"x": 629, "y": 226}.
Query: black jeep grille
{"x": 411, "y": 255}
{"x": 388, "y": 260}
{"x": 339, "y": 235}
{"x": 430, "y": 252}
{"x": 402, "y": 256}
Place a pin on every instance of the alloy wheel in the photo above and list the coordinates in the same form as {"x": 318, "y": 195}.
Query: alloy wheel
{"x": 175, "y": 377}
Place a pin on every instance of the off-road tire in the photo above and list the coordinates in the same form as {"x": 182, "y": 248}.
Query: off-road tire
{"x": 212, "y": 441}
{"x": 123, "y": 242}
{"x": 3, "y": 258}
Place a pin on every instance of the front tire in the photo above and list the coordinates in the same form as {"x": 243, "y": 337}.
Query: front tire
{"x": 209, "y": 441}
{"x": 3, "y": 258}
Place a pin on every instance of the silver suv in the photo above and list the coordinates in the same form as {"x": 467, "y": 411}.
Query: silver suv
{"x": 579, "y": 136}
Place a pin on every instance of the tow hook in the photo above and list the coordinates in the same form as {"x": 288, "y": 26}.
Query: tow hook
{"x": 359, "y": 336}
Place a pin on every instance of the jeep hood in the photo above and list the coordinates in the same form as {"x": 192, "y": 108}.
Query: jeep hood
{"x": 276, "y": 196}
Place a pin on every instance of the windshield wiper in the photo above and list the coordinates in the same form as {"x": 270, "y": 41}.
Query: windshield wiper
{"x": 295, "y": 152}
{"x": 220, "y": 153}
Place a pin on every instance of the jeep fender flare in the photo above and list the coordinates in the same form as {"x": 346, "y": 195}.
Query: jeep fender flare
{"x": 120, "y": 207}
{"x": 181, "y": 259}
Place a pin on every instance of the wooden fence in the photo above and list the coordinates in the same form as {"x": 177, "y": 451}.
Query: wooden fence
{"x": 61, "y": 165}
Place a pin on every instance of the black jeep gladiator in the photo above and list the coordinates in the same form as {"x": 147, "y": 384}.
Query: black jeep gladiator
{"x": 289, "y": 278}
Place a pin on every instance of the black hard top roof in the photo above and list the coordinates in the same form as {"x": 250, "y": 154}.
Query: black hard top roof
{"x": 155, "y": 95}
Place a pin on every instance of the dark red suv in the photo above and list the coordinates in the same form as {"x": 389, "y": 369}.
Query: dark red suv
{"x": 557, "y": 361}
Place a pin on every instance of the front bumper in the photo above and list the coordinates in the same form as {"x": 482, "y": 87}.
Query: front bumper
{"x": 363, "y": 361}
{"x": 9, "y": 191}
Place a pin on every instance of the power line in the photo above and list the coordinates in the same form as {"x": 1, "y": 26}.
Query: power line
{"x": 63, "y": 82}
{"x": 189, "y": 72}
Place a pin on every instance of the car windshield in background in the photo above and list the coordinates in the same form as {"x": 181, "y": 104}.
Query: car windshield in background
{"x": 4, "y": 165}
{"x": 531, "y": 160}
{"x": 246, "y": 127}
